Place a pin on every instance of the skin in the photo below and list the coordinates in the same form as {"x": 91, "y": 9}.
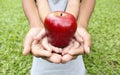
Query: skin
{"x": 34, "y": 21}
{"x": 36, "y": 42}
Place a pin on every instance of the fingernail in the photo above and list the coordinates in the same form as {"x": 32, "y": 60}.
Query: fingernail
{"x": 87, "y": 49}
{"x": 24, "y": 52}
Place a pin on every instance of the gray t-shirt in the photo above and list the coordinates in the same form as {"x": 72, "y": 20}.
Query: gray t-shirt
{"x": 43, "y": 67}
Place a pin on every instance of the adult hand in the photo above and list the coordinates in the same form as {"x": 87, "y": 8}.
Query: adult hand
{"x": 29, "y": 39}
{"x": 83, "y": 33}
{"x": 36, "y": 42}
{"x": 81, "y": 45}
{"x": 42, "y": 49}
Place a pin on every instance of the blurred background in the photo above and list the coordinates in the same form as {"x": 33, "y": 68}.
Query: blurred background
{"x": 104, "y": 28}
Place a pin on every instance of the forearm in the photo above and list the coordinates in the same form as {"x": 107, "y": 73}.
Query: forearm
{"x": 43, "y": 8}
{"x": 31, "y": 12}
{"x": 73, "y": 7}
{"x": 86, "y": 9}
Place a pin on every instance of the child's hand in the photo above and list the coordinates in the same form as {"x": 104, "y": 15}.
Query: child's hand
{"x": 72, "y": 51}
{"x": 39, "y": 50}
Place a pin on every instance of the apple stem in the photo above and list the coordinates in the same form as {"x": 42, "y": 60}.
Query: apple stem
{"x": 60, "y": 14}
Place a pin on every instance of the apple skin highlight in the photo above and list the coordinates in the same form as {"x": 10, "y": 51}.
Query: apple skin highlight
{"x": 60, "y": 28}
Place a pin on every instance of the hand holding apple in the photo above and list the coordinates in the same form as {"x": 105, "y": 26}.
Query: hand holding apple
{"x": 60, "y": 28}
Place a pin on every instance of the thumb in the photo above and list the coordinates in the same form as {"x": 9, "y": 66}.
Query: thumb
{"x": 78, "y": 37}
{"x": 40, "y": 35}
{"x": 87, "y": 44}
{"x": 27, "y": 44}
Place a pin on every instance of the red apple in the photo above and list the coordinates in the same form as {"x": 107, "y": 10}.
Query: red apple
{"x": 60, "y": 28}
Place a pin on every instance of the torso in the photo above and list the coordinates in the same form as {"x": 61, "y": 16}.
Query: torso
{"x": 43, "y": 67}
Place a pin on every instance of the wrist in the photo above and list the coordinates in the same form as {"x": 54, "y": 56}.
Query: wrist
{"x": 36, "y": 25}
{"x": 36, "y": 28}
{"x": 83, "y": 25}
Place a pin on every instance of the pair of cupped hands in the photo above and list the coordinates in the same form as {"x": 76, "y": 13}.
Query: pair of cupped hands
{"x": 36, "y": 43}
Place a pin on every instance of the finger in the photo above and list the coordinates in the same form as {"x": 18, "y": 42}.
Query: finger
{"x": 86, "y": 39}
{"x": 74, "y": 57}
{"x": 55, "y": 49}
{"x": 87, "y": 49}
{"x": 39, "y": 52}
{"x": 66, "y": 58}
{"x": 35, "y": 42}
{"x": 78, "y": 37}
{"x": 45, "y": 44}
{"x": 76, "y": 45}
{"x": 40, "y": 35}
{"x": 27, "y": 44}
{"x": 76, "y": 51}
{"x": 87, "y": 43}
{"x": 55, "y": 58}
{"x": 66, "y": 49}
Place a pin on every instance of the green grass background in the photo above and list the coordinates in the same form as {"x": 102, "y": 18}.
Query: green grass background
{"x": 104, "y": 28}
